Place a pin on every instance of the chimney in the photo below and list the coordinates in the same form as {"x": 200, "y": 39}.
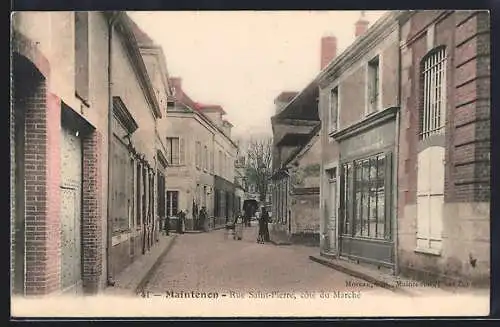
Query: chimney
{"x": 328, "y": 50}
{"x": 361, "y": 25}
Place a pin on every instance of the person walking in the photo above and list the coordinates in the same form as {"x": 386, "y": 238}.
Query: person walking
{"x": 265, "y": 221}
{"x": 166, "y": 225}
{"x": 261, "y": 236}
{"x": 204, "y": 219}
{"x": 180, "y": 225}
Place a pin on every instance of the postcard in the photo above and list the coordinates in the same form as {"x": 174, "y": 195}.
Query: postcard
{"x": 250, "y": 163}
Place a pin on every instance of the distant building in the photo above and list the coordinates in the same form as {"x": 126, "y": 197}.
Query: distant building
{"x": 202, "y": 161}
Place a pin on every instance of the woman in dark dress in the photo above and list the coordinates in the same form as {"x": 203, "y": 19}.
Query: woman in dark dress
{"x": 262, "y": 226}
{"x": 265, "y": 221}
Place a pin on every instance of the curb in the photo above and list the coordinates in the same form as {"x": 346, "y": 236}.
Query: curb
{"x": 149, "y": 273}
{"x": 371, "y": 279}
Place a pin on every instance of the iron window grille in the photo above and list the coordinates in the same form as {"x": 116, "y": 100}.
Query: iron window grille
{"x": 433, "y": 104}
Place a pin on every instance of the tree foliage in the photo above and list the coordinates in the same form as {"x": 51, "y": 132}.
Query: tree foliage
{"x": 258, "y": 165}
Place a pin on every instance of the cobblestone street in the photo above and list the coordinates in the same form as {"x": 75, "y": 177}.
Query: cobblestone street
{"x": 212, "y": 262}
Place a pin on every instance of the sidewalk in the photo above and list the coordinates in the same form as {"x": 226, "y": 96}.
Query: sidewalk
{"x": 135, "y": 276}
{"x": 396, "y": 284}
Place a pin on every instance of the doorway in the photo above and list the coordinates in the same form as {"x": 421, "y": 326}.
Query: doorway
{"x": 331, "y": 219}
{"x": 71, "y": 197}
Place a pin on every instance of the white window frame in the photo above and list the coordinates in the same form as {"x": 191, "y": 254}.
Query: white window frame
{"x": 333, "y": 126}
{"x": 433, "y": 74}
{"x": 170, "y": 149}
{"x": 368, "y": 104}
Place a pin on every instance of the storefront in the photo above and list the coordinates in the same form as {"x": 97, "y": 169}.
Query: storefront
{"x": 366, "y": 189}
{"x": 224, "y": 201}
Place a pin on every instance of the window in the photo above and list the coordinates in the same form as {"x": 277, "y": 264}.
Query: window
{"x": 373, "y": 85}
{"x": 204, "y": 196}
{"x": 220, "y": 163}
{"x": 216, "y": 203}
{"x": 205, "y": 154}
{"x": 82, "y": 55}
{"x": 173, "y": 150}
{"x": 198, "y": 158}
{"x": 211, "y": 154}
{"x": 161, "y": 195}
{"x": 364, "y": 207}
{"x": 172, "y": 203}
{"x": 433, "y": 106}
{"x": 138, "y": 195}
{"x": 122, "y": 190}
{"x": 334, "y": 105}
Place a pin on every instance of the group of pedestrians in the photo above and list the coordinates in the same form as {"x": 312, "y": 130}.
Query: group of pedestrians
{"x": 181, "y": 220}
{"x": 263, "y": 218}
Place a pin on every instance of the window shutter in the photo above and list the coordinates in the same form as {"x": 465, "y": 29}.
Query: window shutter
{"x": 211, "y": 161}
{"x": 369, "y": 88}
{"x": 182, "y": 151}
{"x": 436, "y": 188}
{"x": 423, "y": 221}
{"x": 423, "y": 206}
{"x": 388, "y": 195}
{"x": 430, "y": 198}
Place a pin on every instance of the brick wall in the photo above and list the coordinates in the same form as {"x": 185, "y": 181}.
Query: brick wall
{"x": 467, "y": 131}
{"x": 465, "y": 252}
{"x": 472, "y": 110}
{"x": 92, "y": 242}
{"x": 42, "y": 192}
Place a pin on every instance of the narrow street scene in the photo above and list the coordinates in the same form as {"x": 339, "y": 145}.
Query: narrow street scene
{"x": 174, "y": 152}
{"x": 226, "y": 265}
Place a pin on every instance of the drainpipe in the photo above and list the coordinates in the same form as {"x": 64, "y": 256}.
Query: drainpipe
{"x": 109, "y": 279}
{"x": 395, "y": 187}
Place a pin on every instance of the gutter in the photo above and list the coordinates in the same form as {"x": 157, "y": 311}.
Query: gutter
{"x": 395, "y": 187}
{"x": 109, "y": 277}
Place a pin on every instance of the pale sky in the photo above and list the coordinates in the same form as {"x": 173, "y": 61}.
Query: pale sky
{"x": 243, "y": 59}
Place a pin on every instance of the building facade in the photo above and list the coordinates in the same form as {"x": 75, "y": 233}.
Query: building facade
{"x": 59, "y": 146}
{"x": 295, "y": 193}
{"x": 296, "y": 161}
{"x": 359, "y": 106}
{"x": 84, "y": 175}
{"x": 138, "y": 156}
{"x": 444, "y": 154}
{"x": 202, "y": 156}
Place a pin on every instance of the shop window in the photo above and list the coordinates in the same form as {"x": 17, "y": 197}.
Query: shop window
{"x": 366, "y": 195}
{"x": 122, "y": 192}
{"x": 138, "y": 195}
